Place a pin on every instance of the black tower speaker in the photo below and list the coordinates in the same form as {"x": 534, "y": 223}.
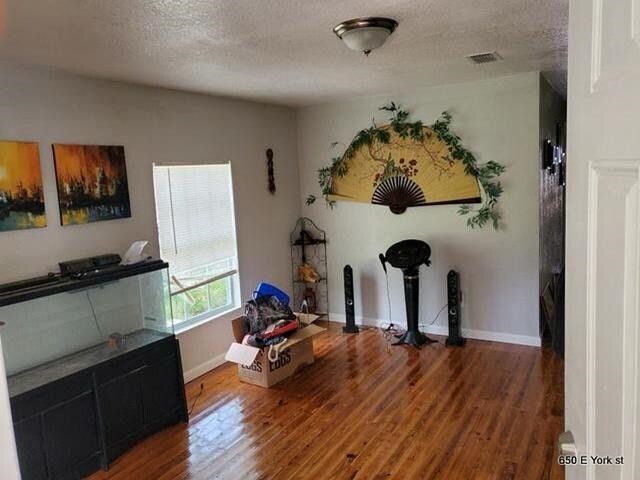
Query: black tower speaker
{"x": 349, "y": 307}
{"x": 453, "y": 296}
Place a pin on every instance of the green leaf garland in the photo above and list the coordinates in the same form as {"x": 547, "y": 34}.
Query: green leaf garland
{"x": 486, "y": 173}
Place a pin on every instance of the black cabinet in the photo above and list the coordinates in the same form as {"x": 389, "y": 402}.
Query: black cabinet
{"x": 120, "y": 403}
{"x": 159, "y": 390}
{"x": 71, "y": 427}
{"x": 30, "y": 446}
{"x": 72, "y": 437}
{"x": 56, "y": 432}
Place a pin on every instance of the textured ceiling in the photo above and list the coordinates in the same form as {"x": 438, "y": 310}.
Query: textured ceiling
{"x": 284, "y": 50}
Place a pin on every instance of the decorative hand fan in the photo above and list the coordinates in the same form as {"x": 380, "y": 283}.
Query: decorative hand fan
{"x": 398, "y": 193}
{"x": 404, "y": 172}
{"x": 405, "y": 164}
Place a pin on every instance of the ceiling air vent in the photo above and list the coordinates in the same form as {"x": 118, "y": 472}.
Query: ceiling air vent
{"x": 485, "y": 57}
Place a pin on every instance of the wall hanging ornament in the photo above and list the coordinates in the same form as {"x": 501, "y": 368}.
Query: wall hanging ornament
{"x": 272, "y": 179}
{"x": 407, "y": 164}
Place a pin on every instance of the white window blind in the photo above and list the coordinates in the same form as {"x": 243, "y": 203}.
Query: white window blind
{"x": 196, "y": 224}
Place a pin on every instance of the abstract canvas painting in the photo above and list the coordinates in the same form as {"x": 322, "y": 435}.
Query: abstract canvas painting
{"x": 92, "y": 183}
{"x": 21, "y": 194}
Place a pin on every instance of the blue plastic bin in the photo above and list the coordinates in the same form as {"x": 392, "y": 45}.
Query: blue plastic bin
{"x": 268, "y": 289}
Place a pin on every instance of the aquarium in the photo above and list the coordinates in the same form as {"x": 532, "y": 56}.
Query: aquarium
{"x": 50, "y": 334}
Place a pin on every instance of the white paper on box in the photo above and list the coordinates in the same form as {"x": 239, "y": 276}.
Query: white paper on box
{"x": 241, "y": 354}
{"x": 306, "y": 332}
{"x": 307, "y": 318}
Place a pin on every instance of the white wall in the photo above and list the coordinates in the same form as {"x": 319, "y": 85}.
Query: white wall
{"x": 154, "y": 125}
{"x": 497, "y": 120}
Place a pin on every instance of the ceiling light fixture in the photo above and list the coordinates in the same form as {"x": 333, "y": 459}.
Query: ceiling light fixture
{"x": 366, "y": 33}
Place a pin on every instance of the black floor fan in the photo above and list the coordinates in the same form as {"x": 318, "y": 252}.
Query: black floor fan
{"x": 408, "y": 255}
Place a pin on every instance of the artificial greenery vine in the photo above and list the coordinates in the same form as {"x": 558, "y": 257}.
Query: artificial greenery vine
{"x": 486, "y": 173}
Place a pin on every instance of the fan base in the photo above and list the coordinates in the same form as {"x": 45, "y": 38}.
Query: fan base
{"x": 416, "y": 339}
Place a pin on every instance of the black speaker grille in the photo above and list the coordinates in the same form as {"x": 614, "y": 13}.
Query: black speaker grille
{"x": 453, "y": 295}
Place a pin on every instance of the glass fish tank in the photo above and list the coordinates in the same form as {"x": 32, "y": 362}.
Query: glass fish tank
{"x": 63, "y": 326}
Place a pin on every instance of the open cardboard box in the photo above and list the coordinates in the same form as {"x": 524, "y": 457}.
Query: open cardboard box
{"x": 253, "y": 365}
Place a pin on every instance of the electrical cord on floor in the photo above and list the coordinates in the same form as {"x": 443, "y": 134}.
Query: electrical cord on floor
{"x": 422, "y": 326}
{"x": 436, "y": 317}
{"x": 420, "y": 298}
{"x": 386, "y": 278}
{"x": 390, "y": 331}
{"x": 420, "y": 315}
{"x": 195, "y": 400}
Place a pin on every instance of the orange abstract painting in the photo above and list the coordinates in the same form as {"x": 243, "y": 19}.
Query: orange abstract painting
{"x": 92, "y": 183}
{"x": 21, "y": 191}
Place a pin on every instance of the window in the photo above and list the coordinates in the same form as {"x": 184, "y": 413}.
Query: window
{"x": 197, "y": 236}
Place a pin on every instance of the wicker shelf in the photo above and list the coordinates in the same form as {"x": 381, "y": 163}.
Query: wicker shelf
{"x": 311, "y": 283}
{"x": 308, "y": 246}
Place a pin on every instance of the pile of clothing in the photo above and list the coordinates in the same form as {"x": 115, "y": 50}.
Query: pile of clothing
{"x": 269, "y": 320}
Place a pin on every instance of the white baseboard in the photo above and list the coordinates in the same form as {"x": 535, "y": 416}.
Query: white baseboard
{"x": 203, "y": 368}
{"x": 486, "y": 335}
{"x": 444, "y": 330}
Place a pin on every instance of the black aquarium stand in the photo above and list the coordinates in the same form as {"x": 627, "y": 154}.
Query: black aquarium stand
{"x": 74, "y": 415}
{"x": 71, "y": 427}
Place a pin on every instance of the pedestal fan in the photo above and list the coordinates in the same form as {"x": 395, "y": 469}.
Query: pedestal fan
{"x": 408, "y": 255}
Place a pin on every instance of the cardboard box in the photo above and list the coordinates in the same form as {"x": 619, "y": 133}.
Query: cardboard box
{"x": 253, "y": 365}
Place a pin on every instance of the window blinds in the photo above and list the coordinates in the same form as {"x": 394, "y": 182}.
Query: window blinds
{"x": 196, "y": 226}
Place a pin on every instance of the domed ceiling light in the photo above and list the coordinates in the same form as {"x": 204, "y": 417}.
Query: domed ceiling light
{"x": 365, "y": 34}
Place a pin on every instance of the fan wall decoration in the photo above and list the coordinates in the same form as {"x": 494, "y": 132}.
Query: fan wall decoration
{"x": 407, "y": 164}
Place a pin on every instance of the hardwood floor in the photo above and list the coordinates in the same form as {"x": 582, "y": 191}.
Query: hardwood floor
{"x": 366, "y": 410}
